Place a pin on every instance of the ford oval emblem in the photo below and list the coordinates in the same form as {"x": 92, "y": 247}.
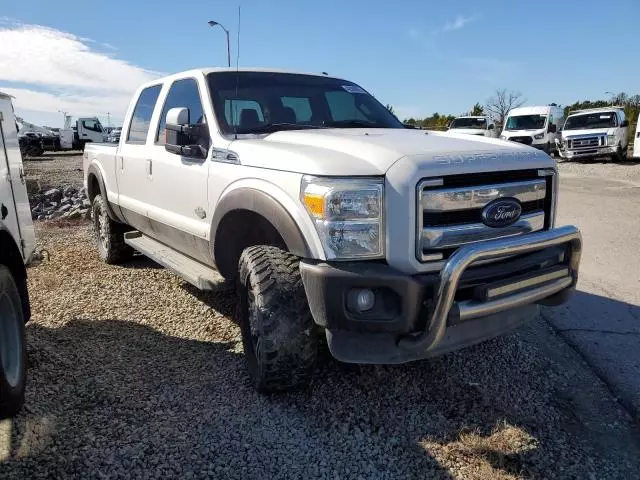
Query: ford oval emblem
{"x": 501, "y": 212}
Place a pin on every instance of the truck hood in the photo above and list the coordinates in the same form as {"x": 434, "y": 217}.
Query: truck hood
{"x": 466, "y": 131}
{"x": 348, "y": 152}
{"x": 588, "y": 131}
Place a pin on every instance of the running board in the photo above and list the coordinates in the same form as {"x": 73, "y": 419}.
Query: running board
{"x": 194, "y": 272}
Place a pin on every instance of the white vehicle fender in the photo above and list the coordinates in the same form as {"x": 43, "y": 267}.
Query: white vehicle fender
{"x": 278, "y": 206}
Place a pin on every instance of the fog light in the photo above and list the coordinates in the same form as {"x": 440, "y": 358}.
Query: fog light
{"x": 365, "y": 299}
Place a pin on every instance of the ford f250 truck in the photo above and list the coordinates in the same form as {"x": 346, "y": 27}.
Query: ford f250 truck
{"x": 17, "y": 243}
{"x": 332, "y": 218}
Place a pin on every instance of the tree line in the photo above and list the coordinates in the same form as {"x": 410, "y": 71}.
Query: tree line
{"x": 503, "y": 100}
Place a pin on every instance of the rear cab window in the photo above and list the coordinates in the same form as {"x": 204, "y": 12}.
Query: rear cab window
{"x": 141, "y": 118}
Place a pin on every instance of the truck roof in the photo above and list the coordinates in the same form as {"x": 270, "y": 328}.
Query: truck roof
{"x": 208, "y": 70}
{"x": 598, "y": 109}
{"x": 536, "y": 109}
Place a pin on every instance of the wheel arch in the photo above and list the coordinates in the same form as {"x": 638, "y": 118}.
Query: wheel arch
{"x": 11, "y": 257}
{"x": 95, "y": 186}
{"x": 246, "y": 217}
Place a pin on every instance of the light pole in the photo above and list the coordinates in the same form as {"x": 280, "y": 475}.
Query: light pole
{"x": 611, "y": 97}
{"x": 213, "y": 23}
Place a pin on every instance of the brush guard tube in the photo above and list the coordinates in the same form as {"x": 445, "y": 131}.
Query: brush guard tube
{"x": 465, "y": 256}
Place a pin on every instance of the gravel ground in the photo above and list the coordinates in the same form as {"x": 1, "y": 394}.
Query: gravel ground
{"x": 133, "y": 373}
{"x": 53, "y": 170}
{"x": 628, "y": 171}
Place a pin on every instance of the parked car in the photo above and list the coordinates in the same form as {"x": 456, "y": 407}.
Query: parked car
{"x": 537, "y": 126}
{"x": 595, "y": 133}
{"x": 114, "y": 135}
{"x": 474, "y": 125}
{"x": 17, "y": 241}
{"x": 333, "y": 219}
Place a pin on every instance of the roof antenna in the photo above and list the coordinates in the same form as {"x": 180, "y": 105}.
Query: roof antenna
{"x": 237, "y": 120}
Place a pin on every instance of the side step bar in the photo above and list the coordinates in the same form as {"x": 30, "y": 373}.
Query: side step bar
{"x": 194, "y": 272}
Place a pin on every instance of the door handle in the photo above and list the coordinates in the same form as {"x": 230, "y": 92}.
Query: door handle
{"x": 149, "y": 167}
{"x": 3, "y": 212}
{"x": 121, "y": 162}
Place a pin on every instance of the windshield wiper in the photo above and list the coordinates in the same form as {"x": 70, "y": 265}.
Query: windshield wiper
{"x": 351, "y": 124}
{"x": 276, "y": 127}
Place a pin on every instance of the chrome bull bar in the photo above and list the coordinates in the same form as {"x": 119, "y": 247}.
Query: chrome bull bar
{"x": 465, "y": 256}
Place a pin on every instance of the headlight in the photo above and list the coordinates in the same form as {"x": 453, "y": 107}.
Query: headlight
{"x": 611, "y": 140}
{"x": 347, "y": 214}
{"x": 539, "y": 136}
{"x": 503, "y": 137}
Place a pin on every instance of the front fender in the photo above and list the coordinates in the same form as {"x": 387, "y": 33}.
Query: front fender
{"x": 274, "y": 204}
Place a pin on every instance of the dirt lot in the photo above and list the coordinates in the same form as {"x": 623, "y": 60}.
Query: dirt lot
{"x": 134, "y": 373}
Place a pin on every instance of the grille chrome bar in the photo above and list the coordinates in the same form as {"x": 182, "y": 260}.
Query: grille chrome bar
{"x": 477, "y": 197}
{"x": 434, "y": 238}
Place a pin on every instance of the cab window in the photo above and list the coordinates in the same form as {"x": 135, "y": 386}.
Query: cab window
{"x": 141, "y": 119}
{"x": 182, "y": 94}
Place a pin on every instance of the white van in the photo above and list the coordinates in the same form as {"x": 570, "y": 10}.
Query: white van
{"x": 537, "y": 126}
{"x": 595, "y": 133}
{"x": 636, "y": 142}
{"x": 474, "y": 125}
{"x": 17, "y": 241}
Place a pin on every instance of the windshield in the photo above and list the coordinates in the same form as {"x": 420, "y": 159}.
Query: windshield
{"x": 591, "y": 120}
{"x": 526, "y": 122}
{"x": 264, "y": 102}
{"x": 479, "y": 123}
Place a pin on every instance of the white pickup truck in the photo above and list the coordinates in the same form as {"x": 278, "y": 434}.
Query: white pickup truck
{"x": 331, "y": 217}
{"x": 17, "y": 243}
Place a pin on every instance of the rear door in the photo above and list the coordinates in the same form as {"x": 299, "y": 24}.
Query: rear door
{"x": 133, "y": 160}
{"x": 177, "y": 186}
{"x": 15, "y": 212}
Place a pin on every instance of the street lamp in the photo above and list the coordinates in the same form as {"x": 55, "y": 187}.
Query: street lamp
{"x": 611, "y": 96}
{"x": 213, "y": 24}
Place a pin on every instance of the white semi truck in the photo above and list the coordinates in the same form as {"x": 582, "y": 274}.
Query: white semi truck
{"x": 334, "y": 220}
{"x": 17, "y": 243}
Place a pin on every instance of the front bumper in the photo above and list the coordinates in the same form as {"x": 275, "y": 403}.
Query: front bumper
{"x": 421, "y": 316}
{"x": 590, "y": 153}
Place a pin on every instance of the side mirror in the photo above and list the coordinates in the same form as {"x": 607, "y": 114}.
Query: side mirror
{"x": 552, "y": 128}
{"x": 184, "y": 138}
{"x": 491, "y": 127}
{"x": 625, "y": 123}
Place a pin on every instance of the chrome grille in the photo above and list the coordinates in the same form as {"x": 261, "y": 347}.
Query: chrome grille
{"x": 586, "y": 142}
{"x": 450, "y": 212}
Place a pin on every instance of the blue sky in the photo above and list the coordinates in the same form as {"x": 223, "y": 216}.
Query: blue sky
{"x": 419, "y": 56}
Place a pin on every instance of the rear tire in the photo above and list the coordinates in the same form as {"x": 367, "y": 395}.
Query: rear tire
{"x": 109, "y": 235}
{"x": 13, "y": 351}
{"x": 278, "y": 333}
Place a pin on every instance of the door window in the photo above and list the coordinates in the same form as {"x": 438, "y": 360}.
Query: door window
{"x": 141, "y": 120}
{"x": 92, "y": 125}
{"x": 182, "y": 94}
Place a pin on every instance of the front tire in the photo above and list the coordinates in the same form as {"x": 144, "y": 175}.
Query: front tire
{"x": 109, "y": 235}
{"x": 278, "y": 332}
{"x": 619, "y": 156}
{"x": 13, "y": 351}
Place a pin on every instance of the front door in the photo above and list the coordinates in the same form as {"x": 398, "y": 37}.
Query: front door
{"x": 133, "y": 161}
{"x": 177, "y": 185}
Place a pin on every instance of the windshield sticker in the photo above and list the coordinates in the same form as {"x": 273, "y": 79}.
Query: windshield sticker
{"x": 353, "y": 89}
